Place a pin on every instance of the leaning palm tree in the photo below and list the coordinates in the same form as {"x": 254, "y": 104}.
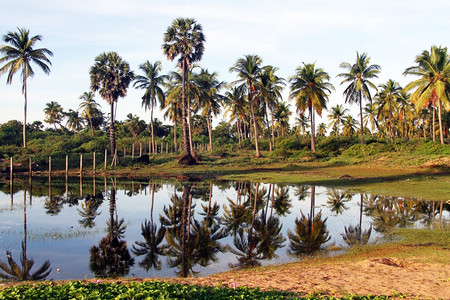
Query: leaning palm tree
{"x": 434, "y": 83}
{"x": 18, "y": 57}
{"x": 151, "y": 82}
{"x": 248, "y": 70}
{"x": 111, "y": 76}
{"x": 359, "y": 75}
{"x": 184, "y": 38}
{"x": 89, "y": 108}
{"x": 309, "y": 87}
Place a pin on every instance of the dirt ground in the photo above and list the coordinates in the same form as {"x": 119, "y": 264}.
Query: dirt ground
{"x": 377, "y": 276}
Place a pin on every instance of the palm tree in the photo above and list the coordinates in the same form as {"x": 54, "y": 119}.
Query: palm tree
{"x": 111, "y": 76}
{"x": 434, "y": 83}
{"x": 349, "y": 126}
{"x": 135, "y": 125}
{"x": 185, "y": 39}
{"x": 270, "y": 87}
{"x": 89, "y": 108}
{"x": 151, "y": 82}
{"x": 370, "y": 116}
{"x": 322, "y": 129}
{"x": 386, "y": 101}
{"x": 19, "y": 56}
{"x": 74, "y": 121}
{"x": 359, "y": 75}
{"x": 248, "y": 70}
{"x": 281, "y": 116}
{"x": 54, "y": 113}
{"x": 335, "y": 117}
{"x": 301, "y": 124}
{"x": 309, "y": 87}
{"x": 235, "y": 102}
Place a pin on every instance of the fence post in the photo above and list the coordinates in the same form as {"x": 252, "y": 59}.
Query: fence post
{"x": 81, "y": 163}
{"x": 11, "y": 168}
{"x": 67, "y": 165}
{"x": 93, "y": 163}
{"x": 49, "y": 166}
{"x": 140, "y": 149}
{"x": 106, "y": 158}
{"x": 30, "y": 171}
{"x": 132, "y": 151}
{"x": 150, "y": 150}
{"x": 115, "y": 157}
{"x": 124, "y": 152}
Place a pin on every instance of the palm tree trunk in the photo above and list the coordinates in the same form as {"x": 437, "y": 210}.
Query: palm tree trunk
{"x": 268, "y": 132}
{"x": 434, "y": 125}
{"x": 208, "y": 119}
{"x": 258, "y": 153}
{"x": 112, "y": 133}
{"x": 175, "y": 136}
{"x": 24, "y": 90}
{"x": 273, "y": 130}
{"x": 361, "y": 120}
{"x": 90, "y": 124}
{"x": 186, "y": 138}
{"x": 239, "y": 132}
{"x": 152, "y": 130}
{"x": 313, "y": 134}
{"x": 441, "y": 132}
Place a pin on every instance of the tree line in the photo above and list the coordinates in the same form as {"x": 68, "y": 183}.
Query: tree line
{"x": 253, "y": 101}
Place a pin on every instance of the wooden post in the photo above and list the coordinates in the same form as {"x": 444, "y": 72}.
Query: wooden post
{"x": 132, "y": 151}
{"x": 140, "y": 149}
{"x": 81, "y": 163}
{"x": 161, "y": 147}
{"x": 124, "y": 152}
{"x": 150, "y": 151}
{"x": 115, "y": 157}
{"x": 67, "y": 165}
{"x": 167, "y": 148}
{"x": 30, "y": 170}
{"x": 49, "y": 167}
{"x": 106, "y": 158}
{"x": 93, "y": 163}
{"x": 11, "y": 168}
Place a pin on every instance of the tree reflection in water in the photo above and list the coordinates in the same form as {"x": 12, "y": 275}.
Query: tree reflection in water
{"x": 310, "y": 232}
{"x": 111, "y": 258}
{"x": 22, "y": 271}
{"x": 354, "y": 234}
{"x": 88, "y": 211}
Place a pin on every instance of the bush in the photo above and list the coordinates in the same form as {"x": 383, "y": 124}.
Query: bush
{"x": 433, "y": 148}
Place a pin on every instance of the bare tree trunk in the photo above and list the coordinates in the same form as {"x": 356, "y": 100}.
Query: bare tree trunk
{"x": 258, "y": 153}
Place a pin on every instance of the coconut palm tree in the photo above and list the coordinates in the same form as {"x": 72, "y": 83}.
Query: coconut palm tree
{"x": 248, "y": 70}
{"x": 111, "y": 76}
{"x": 210, "y": 98}
{"x": 301, "y": 124}
{"x": 309, "y": 88}
{"x": 349, "y": 126}
{"x": 358, "y": 77}
{"x": 370, "y": 116}
{"x": 434, "y": 83}
{"x": 135, "y": 125}
{"x": 270, "y": 87}
{"x": 151, "y": 82}
{"x": 184, "y": 38}
{"x": 281, "y": 116}
{"x": 89, "y": 108}
{"x": 236, "y": 106}
{"x": 74, "y": 121}
{"x": 54, "y": 113}
{"x": 322, "y": 129}
{"x": 335, "y": 117}
{"x": 386, "y": 101}
{"x": 18, "y": 57}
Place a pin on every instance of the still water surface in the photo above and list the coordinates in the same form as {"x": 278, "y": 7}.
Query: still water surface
{"x": 101, "y": 227}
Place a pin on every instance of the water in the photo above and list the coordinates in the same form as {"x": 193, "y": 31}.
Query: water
{"x": 65, "y": 221}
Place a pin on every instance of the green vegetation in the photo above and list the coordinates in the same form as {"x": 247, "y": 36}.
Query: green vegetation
{"x": 148, "y": 290}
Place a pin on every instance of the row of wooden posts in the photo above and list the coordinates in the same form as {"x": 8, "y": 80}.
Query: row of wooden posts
{"x": 114, "y": 161}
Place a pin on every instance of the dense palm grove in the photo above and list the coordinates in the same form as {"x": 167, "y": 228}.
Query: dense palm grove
{"x": 256, "y": 115}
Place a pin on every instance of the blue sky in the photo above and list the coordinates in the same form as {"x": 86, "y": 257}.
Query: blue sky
{"x": 283, "y": 33}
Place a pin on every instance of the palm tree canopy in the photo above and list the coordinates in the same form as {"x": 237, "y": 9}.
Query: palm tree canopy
{"x": 151, "y": 82}
{"x": 21, "y": 54}
{"x": 111, "y": 76}
{"x": 309, "y": 87}
{"x": 184, "y": 38}
{"x": 358, "y": 76}
{"x": 248, "y": 70}
{"x": 433, "y": 67}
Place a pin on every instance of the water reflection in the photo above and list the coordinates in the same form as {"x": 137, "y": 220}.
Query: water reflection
{"x": 15, "y": 271}
{"x": 188, "y": 228}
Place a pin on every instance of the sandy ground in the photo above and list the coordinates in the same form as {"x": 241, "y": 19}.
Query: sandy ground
{"x": 378, "y": 276}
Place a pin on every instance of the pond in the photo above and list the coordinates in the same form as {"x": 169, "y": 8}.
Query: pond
{"x": 107, "y": 227}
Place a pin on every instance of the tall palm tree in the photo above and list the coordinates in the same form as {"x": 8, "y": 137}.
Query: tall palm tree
{"x": 54, "y": 113}
{"x": 184, "y": 38}
{"x": 18, "y": 57}
{"x": 210, "y": 98}
{"x": 111, "y": 76}
{"x": 309, "y": 87}
{"x": 387, "y": 102}
{"x": 151, "y": 82}
{"x": 335, "y": 117}
{"x": 358, "y": 77}
{"x": 270, "y": 87}
{"x": 281, "y": 116}
{"x": 89, "y": 108}
{"x": 434, "y": 83}
{"x": 248, "y": 70}
{"x": 236, "y": 106}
